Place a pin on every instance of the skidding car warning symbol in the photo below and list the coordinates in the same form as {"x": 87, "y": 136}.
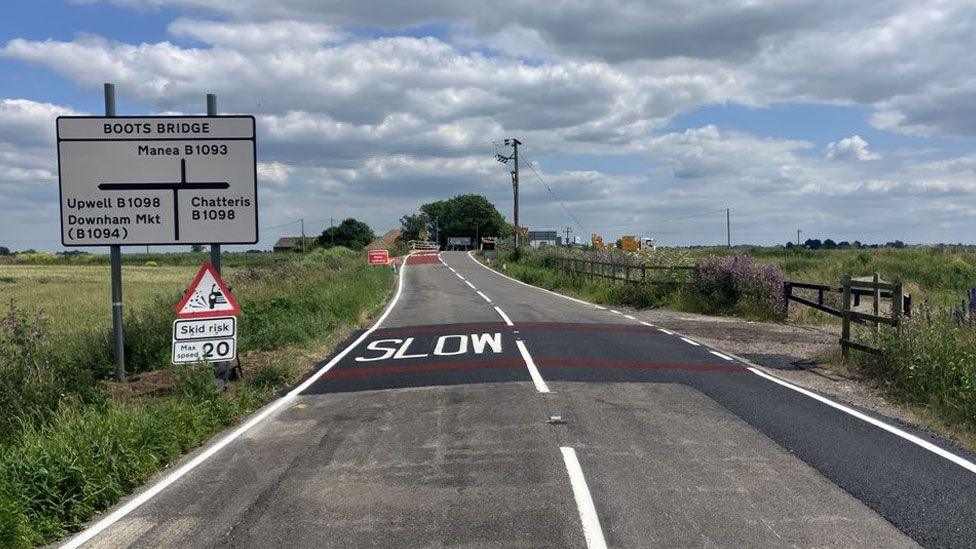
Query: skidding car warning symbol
{"x": 207, "y": 296}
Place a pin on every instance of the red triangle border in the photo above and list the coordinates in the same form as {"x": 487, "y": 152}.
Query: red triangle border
{"x": 235, "y": 308}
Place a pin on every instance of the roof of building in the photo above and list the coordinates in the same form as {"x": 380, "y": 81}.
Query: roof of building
{"x": 291, "y": 242}
{"x": 386, "y": 241}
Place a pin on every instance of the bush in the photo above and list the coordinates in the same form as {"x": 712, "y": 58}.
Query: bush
{"x": 738, "y": 284}
{"x": 150, "y": 264}
{"x": 932, "y": 362}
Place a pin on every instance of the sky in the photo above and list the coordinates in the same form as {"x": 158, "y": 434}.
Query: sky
{"x": 846, "y": 120}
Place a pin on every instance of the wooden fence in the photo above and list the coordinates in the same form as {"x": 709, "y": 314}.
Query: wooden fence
{"x": 848, "y": 315}
{"x": 621, "y": 271}
{"x": 825, "y": 289}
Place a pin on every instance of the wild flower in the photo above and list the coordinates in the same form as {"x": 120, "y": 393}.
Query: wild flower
{"x": 739, "y": 281}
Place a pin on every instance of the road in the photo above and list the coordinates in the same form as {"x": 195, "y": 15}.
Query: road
{"x": 481, "y": 411}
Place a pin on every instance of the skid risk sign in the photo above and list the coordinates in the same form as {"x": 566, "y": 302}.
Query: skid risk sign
{"x": 157, "y": 180}
{"x": 207, "y": 296}
{"x": 204, "y": 339}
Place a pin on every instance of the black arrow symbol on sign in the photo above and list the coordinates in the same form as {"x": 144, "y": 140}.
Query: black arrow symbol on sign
{"x": 176, "y": 187}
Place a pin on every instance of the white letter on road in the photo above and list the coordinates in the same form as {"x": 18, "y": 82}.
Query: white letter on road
{"x": 402, "y": 352}
{"x": 462, "y": 345}
{"x": 375, "y": 346}
{"x": 493, "y": 340}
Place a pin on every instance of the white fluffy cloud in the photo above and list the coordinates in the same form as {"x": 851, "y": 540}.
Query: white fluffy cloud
{"x": 850, "y": 148}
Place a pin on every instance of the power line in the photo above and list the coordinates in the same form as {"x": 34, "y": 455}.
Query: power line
{"x": 554, "y": 195}
{"x": 353, "y": 161}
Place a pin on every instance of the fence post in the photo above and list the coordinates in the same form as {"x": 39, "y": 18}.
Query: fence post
{"x": 787, "y": 294}
{"x": 877, "y": 301}
{"x": 627, "y": 273}
{"x": 846, "y": 316}
{"x": 643, "y": 274}
{"x": 896, "y": 305}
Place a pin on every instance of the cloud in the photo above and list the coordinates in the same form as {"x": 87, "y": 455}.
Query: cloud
{"x": 257, "y": 36}
{"x": 850, "y": 148}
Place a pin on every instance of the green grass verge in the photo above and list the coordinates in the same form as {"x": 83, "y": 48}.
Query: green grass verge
{"x": 69, "y": 447}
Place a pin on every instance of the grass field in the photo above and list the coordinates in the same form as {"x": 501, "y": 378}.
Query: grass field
{"x": 77, "y": 298}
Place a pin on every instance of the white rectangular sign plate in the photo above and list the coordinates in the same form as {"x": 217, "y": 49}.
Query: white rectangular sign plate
{"x": 204, "y": 350}
{"x": 204, "y": 328}
{"x": 157, "y": 180}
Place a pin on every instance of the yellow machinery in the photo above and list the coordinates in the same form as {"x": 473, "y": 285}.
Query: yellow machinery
{"x": 597, "y": 241}
{"x": 629, "y": 243}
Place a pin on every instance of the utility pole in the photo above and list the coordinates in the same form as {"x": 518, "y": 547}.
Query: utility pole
{"x": 567, "y": 231}
{"x": 332, "y": 233}
{"x": 303, "y": 235}
{"x": 514, "y": 143}
{"x": 728, "y": 227}
{"x": 798, "y": 231}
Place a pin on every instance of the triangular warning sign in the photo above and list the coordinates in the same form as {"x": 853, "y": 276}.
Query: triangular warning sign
{"x": 207, "y": 296}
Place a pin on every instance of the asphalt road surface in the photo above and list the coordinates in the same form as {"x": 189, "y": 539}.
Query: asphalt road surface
{"x": 485, "y": 412}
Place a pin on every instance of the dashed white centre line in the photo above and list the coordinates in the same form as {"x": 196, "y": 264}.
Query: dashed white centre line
{"x": 486, "y": 298}
{"x": 690, "y": 342}
{"x": 646, "y": 323}
{"x": 501, "y": 313}
{"x": 459, "y": 276}
{"x": 592, "y": 531}
{"x": 540, "y": 384}
{"x": 602, "y": 308}
{"x": 615, "y": 312}
{"x": 720, "y": 355}
{"x": 630, "y": 317}
{"x": 468, "y": 282}
{"x": 669, "y": 332}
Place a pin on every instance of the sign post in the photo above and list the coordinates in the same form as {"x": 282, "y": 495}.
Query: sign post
{"x": 155, "y": 180}
{"x": 207, "y": 327}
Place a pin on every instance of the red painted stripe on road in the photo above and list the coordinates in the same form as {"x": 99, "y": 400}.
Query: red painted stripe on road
{"x": 420, "y": 259}
{"x": 444, "y": 329}
{"x": 433, "y": 367}
{"x": 581, "y": 327}
{"x": 639, "y": 365}
{"x": 517, "y": 363}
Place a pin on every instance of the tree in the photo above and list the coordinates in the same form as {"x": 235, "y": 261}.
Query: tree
{"x": 829, "y": 244}
{"x": 812, "y": 244}
{"x": 196, "y": 248}
{"x": 789, "y": 245}
{"x": 469, "y": 215}
{"x": 413, "y": 225}
{"x": 4, "y": 250}
{"x": 351, "y": 233}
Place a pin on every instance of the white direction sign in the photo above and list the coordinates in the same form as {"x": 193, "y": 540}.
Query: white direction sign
{"x": 157, "y": 180}
{"x": 204, "y": 340}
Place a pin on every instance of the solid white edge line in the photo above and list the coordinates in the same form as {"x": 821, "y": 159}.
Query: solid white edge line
{"x": 87, "y": 534}
{"x": 483, "y": 266}
{"x": 592, "y": 531}
{"x": 630, "y": 317}
{"x": 690, "y": 342}
{"x": 616, "y": 312}
{"x": 504, "y": 316}
{"x": 470, "y": 284}
{"x": 720, "y": 355}
{"x": 540, "y": 384}
{"x": 601, "y": 307}
{"x": 646, "y": 323}
{"x": 962, "y": 462}
{"x": 486, "y": 298}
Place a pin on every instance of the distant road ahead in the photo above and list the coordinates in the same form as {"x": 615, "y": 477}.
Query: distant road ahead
{"x": 437, "y": 428}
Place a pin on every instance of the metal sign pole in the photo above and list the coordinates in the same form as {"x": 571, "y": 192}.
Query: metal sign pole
{"x": 214, "y": 248}
{"x": 115, "y": 260}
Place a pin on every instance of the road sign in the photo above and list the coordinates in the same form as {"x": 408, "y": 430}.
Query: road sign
{"x": 207, "y": 296}
{"x": 204, "y": 340}
{"x": 379, "y": 257}
{"x": 157, "y": 180}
